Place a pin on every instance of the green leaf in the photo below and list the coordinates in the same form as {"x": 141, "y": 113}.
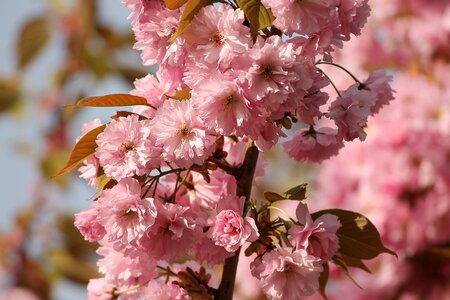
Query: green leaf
{"x": 257, "y": 15}
{"x": 97, "y": 63}
{"x": 84, "y": 148}
{"x": 297, "y": 193}
{"x": 33, "y": 37}
{"x": 174, "y": 4}
{"x": 102, "y": 180}
{"x": 323, "y": 280}
{"x": 358, "y": 237}
{"x": 191, "y": 9}
{"x": 111, "y": 100}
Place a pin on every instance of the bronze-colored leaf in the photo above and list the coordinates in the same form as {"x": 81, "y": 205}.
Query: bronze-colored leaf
{"x": 273, "y": 197}
{"x": 10, "y": 93}
{"x": 191, "y": 9}
{"x": 111, "y": 100}
{"x": 297, "y": 193}
{"x": 83, "y": 149}
{"x": 33, "y": 37}
{"x": 183, "y": 94}
{"x": 174, "y": 4}
{"x": 358, "y": 237}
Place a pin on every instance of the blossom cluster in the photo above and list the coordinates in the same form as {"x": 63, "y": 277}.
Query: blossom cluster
{"x": 170, "y": 204}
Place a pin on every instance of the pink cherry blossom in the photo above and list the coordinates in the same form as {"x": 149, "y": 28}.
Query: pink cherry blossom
{"x": 317, "y": 237}
{"x": 223, "y": 104}
{"x": 118, "y": 145}
{"x": 125, "y": 271}
{"x": 231, "y": 231}
{"x": 269, "y": 72}
{"x": 313, "y": 145}
{"x": 160, "y": 291}
{"x": 88, "y": 225}
{"x": 289, "y": 274}
{"x": 217, "y": 34}
{"x": 153, "y": 32}
{"x": 124, "y": 214}
{"x": 303, "y": 17}
{"x": 100, "y": 289}
{"x": 173, "y": 225}
{"x": 352, "y": 16}
{"x": 181, "y": 133}
{"x": 378, "y": 83}
{"x": 350, "y": 112}
{"x": 208, "y": 251}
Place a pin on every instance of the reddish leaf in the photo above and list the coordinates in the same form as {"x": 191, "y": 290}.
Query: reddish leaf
{"x": 112, "y": 100}
{"x": 82, "y": 150}
{"x": 184, "y": 94}
{"x": 273, "y": 197}
{"x": 174, "y": 4}
{"x": 33, "y": 37}
{"x": 191, "y": 9}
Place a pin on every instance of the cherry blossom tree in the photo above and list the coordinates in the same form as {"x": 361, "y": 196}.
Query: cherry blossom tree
{"x": 174, "y": 176}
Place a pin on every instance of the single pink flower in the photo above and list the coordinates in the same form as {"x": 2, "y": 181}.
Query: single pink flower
{"x": 351, "y": 110}
{"x": 173, "y": 226}
{"x": 126, "y": 270}
{"x": 303, "y": 17}
{"x": 288, "y": 274}
{"x": 270, "y": 70}
{"x": 124, "y": 214}
{"x": 231, "y": 231}
{"x": 217, "y": 34}
{"x": 118, "y": 145}
{"x": 153, "y": 32}
{"x": 313, "y": 145}
{"x": 317, "y": 237}
{"x": 182, "y": 134}
{"x": 378, "y": 83}
{"x": 223, "y": 105}
{"x": 352, "y": 16}
{"x": 100, "y": 289}
{"x": 88, "y": 225}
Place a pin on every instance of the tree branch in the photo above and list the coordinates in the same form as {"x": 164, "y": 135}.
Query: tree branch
{"x": 244, "y": 177}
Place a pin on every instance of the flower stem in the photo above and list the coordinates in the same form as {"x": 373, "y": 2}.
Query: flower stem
{"x": 244, "y": 178}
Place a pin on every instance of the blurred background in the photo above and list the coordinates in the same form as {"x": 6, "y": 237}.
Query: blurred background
{"x": 54, "y": 52}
